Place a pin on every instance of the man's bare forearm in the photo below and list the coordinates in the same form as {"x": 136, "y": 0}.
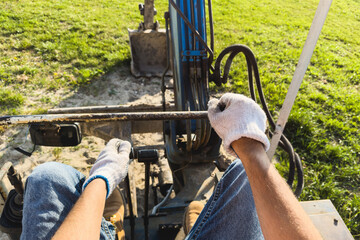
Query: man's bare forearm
{"x": 280, "y": 214}
{"x": 84, "y": 219}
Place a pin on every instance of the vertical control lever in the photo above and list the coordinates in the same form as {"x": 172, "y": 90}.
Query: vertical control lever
{"x": 148, "y": 157}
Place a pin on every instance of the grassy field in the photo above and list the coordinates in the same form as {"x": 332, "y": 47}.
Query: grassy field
{"x": 51, "y": 46}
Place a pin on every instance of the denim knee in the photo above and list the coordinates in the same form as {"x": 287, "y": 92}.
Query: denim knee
{"x": 54, "y": 173}
{"x": 50, "y": 193}
{"x": 49, "y": 170}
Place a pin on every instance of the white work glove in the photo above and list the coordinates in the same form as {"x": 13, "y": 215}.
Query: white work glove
{"x": 111, "y": 165}
{"x": 241, "y": 117}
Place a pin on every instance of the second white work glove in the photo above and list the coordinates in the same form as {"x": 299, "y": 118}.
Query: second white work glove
{"x": 111, "y": 165}
{"x": 235, "y": 116}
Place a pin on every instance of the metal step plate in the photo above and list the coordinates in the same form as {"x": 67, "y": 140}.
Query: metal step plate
{"x": 327, "y": 220}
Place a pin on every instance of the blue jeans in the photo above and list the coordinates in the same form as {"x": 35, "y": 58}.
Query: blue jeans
{"x": 50, "y": 192}
{"x": 230, "y": 213}
{"x": 53, "y": 188}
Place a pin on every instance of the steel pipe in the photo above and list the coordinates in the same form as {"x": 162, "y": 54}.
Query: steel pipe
{"x": 101, "y": 117}
{"x": 112, "y": 109}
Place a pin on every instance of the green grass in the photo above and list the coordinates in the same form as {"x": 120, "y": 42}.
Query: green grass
{"x": 10, "y": 101}
{"x": 52, "y": 45}
{"x": 324, "y": 123}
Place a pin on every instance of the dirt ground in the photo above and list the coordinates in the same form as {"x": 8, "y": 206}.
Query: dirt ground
{"x": 117, "y": 87}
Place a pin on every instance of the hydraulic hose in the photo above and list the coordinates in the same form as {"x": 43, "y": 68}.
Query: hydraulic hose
{"x": 253, "y": 73}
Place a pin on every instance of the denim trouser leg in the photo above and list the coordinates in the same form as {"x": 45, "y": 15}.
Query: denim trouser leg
{"x": 230, "y": 213}
{"x": 50, "y": 193}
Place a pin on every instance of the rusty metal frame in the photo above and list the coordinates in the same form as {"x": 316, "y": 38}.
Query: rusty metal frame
{"x": 113, "y": 108}
{"x": 101, "y": 117}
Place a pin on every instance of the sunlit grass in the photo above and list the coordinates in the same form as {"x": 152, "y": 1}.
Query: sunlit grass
{"x": 324, "y": 124}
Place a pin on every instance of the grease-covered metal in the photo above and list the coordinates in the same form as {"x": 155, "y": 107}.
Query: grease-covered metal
{"x": 101, "y": 117}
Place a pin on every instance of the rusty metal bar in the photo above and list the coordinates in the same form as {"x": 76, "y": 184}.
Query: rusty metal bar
{"x": 101, "y": 117}
{"x": 112, "y": 108}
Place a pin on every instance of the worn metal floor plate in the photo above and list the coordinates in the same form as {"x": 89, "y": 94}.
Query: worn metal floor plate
{"x": 327, "y": 220}
{"x": 322, "y": 212}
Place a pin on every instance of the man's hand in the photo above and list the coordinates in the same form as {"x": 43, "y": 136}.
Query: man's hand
{"x": 241, "y": 123}
{"x": 111, "y": 165}
{"x": 235, "y": 116}
{"x": 108, "y": 171}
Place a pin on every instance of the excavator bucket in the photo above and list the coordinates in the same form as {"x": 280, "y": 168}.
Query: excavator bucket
{"x": 148, "y": 52}
{"x": 148, "y": 45}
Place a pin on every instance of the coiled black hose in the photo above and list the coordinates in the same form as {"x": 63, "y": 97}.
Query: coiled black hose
{"x": 253, "y": 72}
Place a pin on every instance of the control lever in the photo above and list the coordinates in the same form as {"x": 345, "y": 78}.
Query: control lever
{"x": 148, "y": 157}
